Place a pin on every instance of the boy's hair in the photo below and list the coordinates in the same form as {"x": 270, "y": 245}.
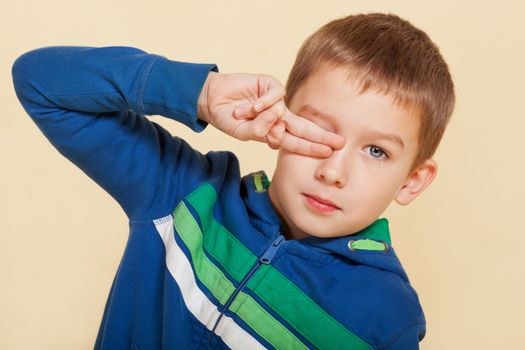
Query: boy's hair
{"x": 391, "y": 56}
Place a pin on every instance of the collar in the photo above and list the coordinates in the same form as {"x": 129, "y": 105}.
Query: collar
{"x": 371, "y": 246}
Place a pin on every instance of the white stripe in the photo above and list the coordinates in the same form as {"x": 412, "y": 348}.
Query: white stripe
{"x": 196, "y": 301}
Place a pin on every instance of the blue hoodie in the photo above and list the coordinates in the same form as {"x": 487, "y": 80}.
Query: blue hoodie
{"x": 206, "y": 264}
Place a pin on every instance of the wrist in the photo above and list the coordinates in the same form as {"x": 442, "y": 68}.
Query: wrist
{"x": 202, "y": 103}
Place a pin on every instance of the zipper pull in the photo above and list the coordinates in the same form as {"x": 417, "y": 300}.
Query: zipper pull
{"x": 268, "y": 255}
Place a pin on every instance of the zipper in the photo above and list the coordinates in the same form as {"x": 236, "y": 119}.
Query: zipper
{"x": 266, "y": 258}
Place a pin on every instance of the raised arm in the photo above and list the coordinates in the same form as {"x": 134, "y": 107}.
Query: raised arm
{"x": 91, "y": 103}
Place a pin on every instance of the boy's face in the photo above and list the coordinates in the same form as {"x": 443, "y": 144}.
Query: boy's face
{"x": 362, "y": 178}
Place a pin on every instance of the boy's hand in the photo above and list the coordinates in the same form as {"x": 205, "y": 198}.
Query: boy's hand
{"x": 230, "y": 103}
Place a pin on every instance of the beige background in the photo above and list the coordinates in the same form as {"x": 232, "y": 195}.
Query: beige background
{"x": 462, "y": 242}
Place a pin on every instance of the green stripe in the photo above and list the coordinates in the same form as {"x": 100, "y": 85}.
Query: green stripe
{"x": 261, "y": 182}
{"x": 282, "y": 295}
{"x": 220, "y": 286}
{"x": 263, "y": 323}
{"x": 227, "y": 249}
{"x": 209, "y": 274}
{"x": 367, "y": 244}
{"x": 258, "y": 183}
{"x": 301, "y": 312}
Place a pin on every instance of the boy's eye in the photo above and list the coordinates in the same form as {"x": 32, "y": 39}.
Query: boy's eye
{"x": 377, "y": 152}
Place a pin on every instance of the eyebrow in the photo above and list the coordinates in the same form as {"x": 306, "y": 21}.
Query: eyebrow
{"x": 392, "y": 138}
{"x": 374, "y": 133}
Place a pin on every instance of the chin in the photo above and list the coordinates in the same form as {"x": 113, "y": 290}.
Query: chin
{"x": 328, "y": 235}
{"x": 320, "y": 233}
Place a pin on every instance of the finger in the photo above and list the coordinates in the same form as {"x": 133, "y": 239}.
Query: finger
{"x": 305, "y": 129}
{"x": 244, "y": 111}
{"x": 280, "y": 137}
{"x": 257, "y": 128}
{"x": 271, "y": 145}
{"x": 275, "y": 135}
{"x": 274, "y": 94}
{"x": 279, "y": 108}
{"x": 271, "y": 138}
{"x": 261, "y": 125}
{"x": 272, "y": 142}
{"x": 295, "y": 144}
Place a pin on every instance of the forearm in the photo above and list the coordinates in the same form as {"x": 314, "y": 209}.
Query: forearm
{"x": 90, "y": 104}
{"x": 109, "y": 79}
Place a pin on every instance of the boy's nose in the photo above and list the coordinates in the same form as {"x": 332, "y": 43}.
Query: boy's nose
{"x": 334, "y": 169}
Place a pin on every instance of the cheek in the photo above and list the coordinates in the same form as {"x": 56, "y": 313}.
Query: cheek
{"x": 376, "y": 186}
{"x": 288, "y": 169}
{"x": 294, "y": 163}
{"x": 389, "y": 188}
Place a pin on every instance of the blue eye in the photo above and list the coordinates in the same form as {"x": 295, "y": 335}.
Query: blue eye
{"x": 377, "y": 152}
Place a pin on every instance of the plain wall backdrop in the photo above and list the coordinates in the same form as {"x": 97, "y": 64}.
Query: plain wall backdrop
{"x": 461, "y": 242}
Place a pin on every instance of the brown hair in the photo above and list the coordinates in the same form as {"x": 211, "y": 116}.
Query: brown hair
{"x": 393, "y": 57}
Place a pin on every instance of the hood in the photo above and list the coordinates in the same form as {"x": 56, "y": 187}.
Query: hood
{"x": 371, "y": 246}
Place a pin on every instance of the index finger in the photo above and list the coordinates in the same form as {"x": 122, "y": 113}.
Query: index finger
{"x": 301, "y": 146}
{"x": 305, "y": 129}
{"x": 270, "y": 97}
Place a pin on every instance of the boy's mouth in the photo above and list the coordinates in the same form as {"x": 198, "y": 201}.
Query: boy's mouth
{"x": 320, "y": 203}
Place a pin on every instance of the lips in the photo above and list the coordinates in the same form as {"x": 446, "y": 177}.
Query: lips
{"x": 323, "y": 200}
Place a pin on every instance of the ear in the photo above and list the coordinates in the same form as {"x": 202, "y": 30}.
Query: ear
{"x": 416, "y": 182}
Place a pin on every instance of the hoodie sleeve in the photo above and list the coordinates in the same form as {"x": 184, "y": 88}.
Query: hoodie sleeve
{"x": 91, "y": 103}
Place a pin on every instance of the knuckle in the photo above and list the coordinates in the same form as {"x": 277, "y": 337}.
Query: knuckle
{"x": 273, "y": 140}
{"x": 278, "y": 108}
{"x": 276, "y": 132}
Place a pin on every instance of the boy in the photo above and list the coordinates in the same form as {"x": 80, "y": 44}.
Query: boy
{"x": 216, "y": 260}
